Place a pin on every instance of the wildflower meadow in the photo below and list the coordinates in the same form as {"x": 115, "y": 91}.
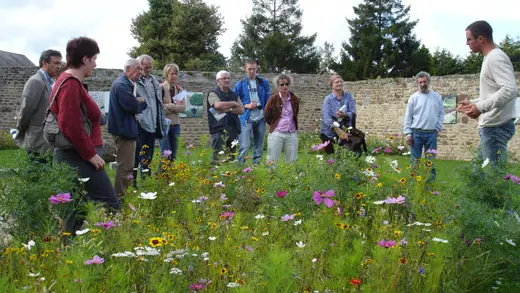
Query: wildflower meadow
{"x": 334, "y": 223}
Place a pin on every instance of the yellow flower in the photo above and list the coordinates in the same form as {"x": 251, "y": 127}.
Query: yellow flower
{"x": 402, "y": 180}
{"x": 223, "y": 271}
{"x": 429, "y": 163}
{"x": 157, "y": 241}
{"x": 418, "y": 178}
{"x": 397, "y": 233}
{"x": 66, "y": 234}
{"x": 68, "y": 261}
{"x": 403, "y": 260}
{"x": 337, "y": 176}
{"x": 359, "y": 195}
{"x": 254, "y": 238}
{"x": 379, "y": 185}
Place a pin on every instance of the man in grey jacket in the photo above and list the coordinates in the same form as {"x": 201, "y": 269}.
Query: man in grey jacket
{"x": 35, "y": 100}
{"x": 151, "y": 120}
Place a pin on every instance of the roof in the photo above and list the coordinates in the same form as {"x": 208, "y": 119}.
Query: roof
{"x": 14, "y": 60}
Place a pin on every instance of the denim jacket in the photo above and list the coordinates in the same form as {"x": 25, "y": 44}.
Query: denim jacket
{"x": 242, "y": 90}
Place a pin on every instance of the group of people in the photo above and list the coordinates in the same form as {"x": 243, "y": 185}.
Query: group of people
{"x": 142, "y": 110}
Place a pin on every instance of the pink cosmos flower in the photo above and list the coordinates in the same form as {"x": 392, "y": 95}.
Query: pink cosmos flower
{"x": 227, "y": 215}
{"x": 403, "y": 242}
{"x": 320, "y": 146}
{"x": 247, "y": 170}
{"x": 330, "y": 162}
{"x": 219, "y": 184}
{"x": 96, "y": 260}
{"x": 395, "y": 200}
{"x": 106, "y": 225}
{"x": 281, "y": 194}
{"x": 197, "y": 287}
{"x": 432, "y": 151}
{"x": 388, "y": 150}
{"x": 166, "y": 153}
{"x": 287, "y": 217}
{"x": 386, "y": 244}
{"x": 60, "y": 198}
{"x": 376, "y": 150}
{"x": 320, "y": 197}
{"x": 132, "y": 207}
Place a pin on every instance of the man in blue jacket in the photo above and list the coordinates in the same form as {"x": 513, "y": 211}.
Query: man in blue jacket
{"x": 123, "y": 107}
{"x": 254, "y": 93}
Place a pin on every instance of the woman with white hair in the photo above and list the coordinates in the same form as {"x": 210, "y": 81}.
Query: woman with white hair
{"x": 281, "y": 114}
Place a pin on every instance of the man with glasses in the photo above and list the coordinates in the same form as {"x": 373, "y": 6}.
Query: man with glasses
{"x": 495, "y": 106}
{"x": 223, "y": 109}
{"x": 35, "y": 101}
{"x": 253, "y": 92}
{"x": 123, "y": 107}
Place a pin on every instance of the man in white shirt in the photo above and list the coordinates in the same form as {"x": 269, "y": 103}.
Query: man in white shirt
{"x": 423, "y": 120}
{"x": 495, "y": 106}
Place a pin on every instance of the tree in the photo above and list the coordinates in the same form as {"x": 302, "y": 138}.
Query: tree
{"x": 175, "y": 31}
{"x": 446, "y": 64}
{"x": 473, "y": 63}
{"x": 512, "y": 48}
{"x": 327, "y": 59}
{"x": 272, "y": 35}
{"x": 381, "y": 44}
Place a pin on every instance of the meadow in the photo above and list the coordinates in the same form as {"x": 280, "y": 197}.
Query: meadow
{"x": 325, "y": 224}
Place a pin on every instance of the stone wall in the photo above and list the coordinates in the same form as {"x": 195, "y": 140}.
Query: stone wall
{"x": 381, "y": 104}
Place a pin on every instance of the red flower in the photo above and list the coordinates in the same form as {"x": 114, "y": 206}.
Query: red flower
{"x": 355, "y": 281}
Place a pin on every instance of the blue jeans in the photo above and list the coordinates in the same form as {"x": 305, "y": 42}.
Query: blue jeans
{"x": 420, "y": 140}
{"x": 257, "y": 130}
{"x": 493, "y": 141}
{"x": 171, "y": 141}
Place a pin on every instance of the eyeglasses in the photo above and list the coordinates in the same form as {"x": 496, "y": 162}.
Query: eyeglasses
{"x": 225, "y": 78}
{"x": 284, "y": 84}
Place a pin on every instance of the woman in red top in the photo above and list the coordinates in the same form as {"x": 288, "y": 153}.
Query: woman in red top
{"x": 81, "y": 61}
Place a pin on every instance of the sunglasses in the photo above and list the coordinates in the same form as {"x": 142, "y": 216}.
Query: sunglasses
{"x": 284, "y": 84}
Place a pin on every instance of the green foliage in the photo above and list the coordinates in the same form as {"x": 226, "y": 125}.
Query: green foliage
{"x": 473, "y": 63}
{"x": 25, "y": 192}
{"x": 382, "y": 43}
{"x": 6, "y": 141}
{"x": 184, "y": 32}
{"x": 511, "y": 47}
{"x": 446, "y": 63}
{"x": 272, "y": 35}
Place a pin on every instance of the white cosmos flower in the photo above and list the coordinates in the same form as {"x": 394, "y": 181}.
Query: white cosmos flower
{"x": 29, "y": 244}
{"x": 439, "y": 240}
{"x": 510, "y": 241}
{"x": 266, "y": 233}
{"x": 33, "y": 275}
{"x": 379, "y": 202}
{"x": 300, "y": 244}
{"x": 81, "y": 232}
{"x": 370, "y": 159}
{"x": 146, "y": 170}
{"x": 221, "y": 152}
{"x": 175, "y": 271}
{"x": 419, "y": 224}
{"x": 485, "y": 163}
{"x": 233, "y": 285}
{"x": 234, "y": 143}
{"x": 84, "y": 179}
{"x": 296, "y": 223}
{"x": 406, "y": 154}
{"x": 259, "y": 216}
{"x": 148, "y": 195}
{"x": 171, "y": 184}
{"x": 320, "y": 157}
{"x": 212, "y": 238}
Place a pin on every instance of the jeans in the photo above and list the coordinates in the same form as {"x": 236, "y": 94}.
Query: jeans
{"x": 143, "y": 152}
{"x": 257, "y": 130}
{"x": 171, "y": 141}
{"x": 420, "y": 139}
{"x": 278, "y": 140}
{"x": 493, "y": 141}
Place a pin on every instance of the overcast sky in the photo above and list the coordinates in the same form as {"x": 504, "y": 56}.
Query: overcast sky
{"x": 31, "y": 26}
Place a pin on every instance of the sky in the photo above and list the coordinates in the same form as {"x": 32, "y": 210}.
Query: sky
{"x": 31, "y": 26}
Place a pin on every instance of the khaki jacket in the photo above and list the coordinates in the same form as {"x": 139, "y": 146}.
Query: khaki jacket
{"x": 171, "y": 110}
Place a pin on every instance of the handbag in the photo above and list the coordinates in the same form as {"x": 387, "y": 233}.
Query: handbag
{"x": 51, "y": 130}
